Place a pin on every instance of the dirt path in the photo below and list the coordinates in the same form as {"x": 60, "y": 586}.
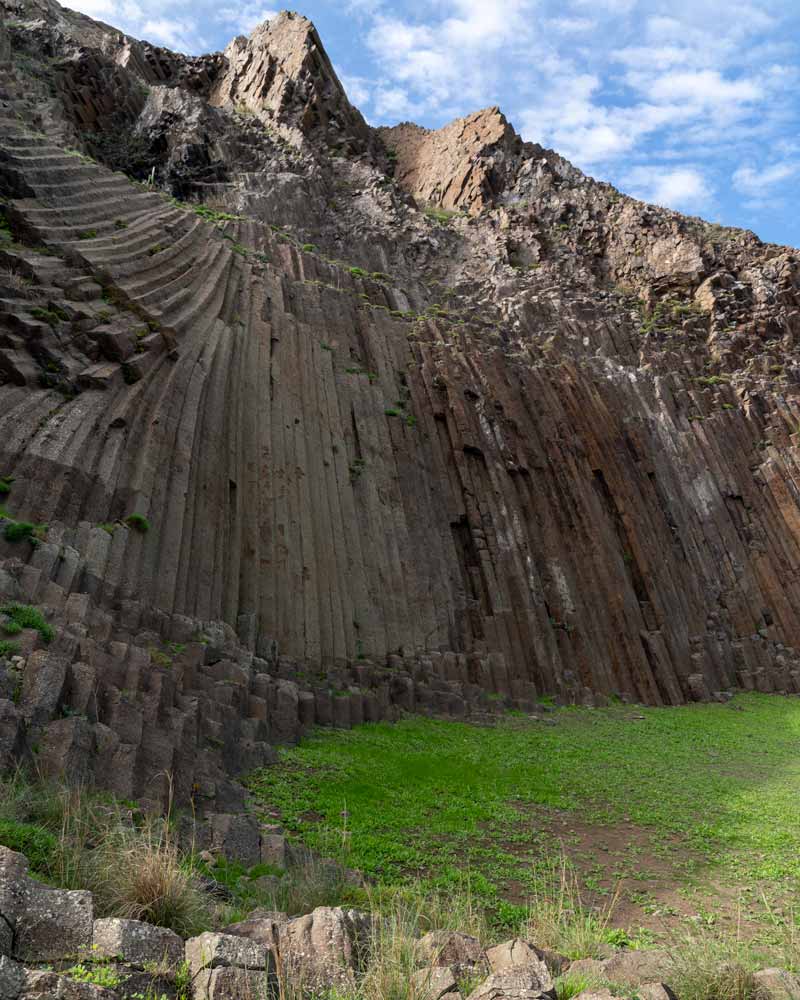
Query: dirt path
{"x": 652, "y": 882}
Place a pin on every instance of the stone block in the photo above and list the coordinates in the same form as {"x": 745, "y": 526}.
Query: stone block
{"x": 213, "y": 951}
{"x": 233, "y": 984}
{"x": 136, "y": 942}
{"x": 52, "y": 924}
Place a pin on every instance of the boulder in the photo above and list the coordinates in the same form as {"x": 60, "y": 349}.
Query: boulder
{"x": 213, "y": 951}
{"x": 433, "y": 983}
{"x": 274, "y": 847}
{"x": 514, "y": 983}
{"x": 228, "y": 983}
{"x": 323, "y": 950}
{"x": 137, "y": 942}
{"x": 261, "y": 926}
{"x": 633, "y": 968}
{"x": 12, "y": 978}
{"x": 654, "y": 991}
{"x": 461, "y": 951}
{"x": 555, "y": 961}
{"x": 591, "y": 968}
{"x": 49, "y": 924}
{"x": 518, "y": 954}
{"x": 47, "y": 985}
{"x": 777, "y": 984}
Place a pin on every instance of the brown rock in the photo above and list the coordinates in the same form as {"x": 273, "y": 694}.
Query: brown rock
{"x": 514, "y": 983}
{"x": 326, "y": 948}
{"x": 778, "y": 984}
{"x": 433, "y": 983}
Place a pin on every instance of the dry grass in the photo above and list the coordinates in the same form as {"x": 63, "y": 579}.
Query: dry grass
{"x": 559, "y": 918}
{"x": 16, "y": 283}
{"x": 139, "y": 874}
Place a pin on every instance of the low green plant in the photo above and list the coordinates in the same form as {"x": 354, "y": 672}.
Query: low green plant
{"x": 5, "y": 485}
{"x": 50, "y": 316}
{"x": 11, "y": 628}
{"x": 443, "y": 216}
{"x": 88, "y": 234}
{"x": 138, "y": 522}
{"x": 27, "y": 616}
{"x": 18, "y": 531}
{"x": 98, "y": 974}
{"x": 8, "y": 648}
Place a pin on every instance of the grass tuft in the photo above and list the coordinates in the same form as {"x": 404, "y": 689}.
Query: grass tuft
{"x": 26, "y": 616}
{"x": 138, "y": 522}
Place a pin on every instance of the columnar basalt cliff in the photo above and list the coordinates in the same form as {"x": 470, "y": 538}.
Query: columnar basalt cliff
{"x": 411, "y": 417}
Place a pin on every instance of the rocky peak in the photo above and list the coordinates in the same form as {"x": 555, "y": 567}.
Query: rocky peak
{"x": 283, "y": 69}
{"x": 452, "y": 166}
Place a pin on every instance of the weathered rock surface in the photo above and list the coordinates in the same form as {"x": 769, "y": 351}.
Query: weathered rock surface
{"x": 136, "y": 942}
{"x": 324, "y": 950}
{"x": 546, "y": 444}
{"x": 778, "y": 984}
{"x": 433, "y": 983}
{"x": 452, "y": 949}
{"x": 514, "y": 983}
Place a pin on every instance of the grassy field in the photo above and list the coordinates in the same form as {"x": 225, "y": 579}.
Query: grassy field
{"x": 684, "y": 814}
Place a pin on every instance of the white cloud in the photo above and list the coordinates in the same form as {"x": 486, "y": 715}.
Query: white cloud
{"x": 680, "y": 188}
{"x": 357, "y": 88}
{"x": 756, "y": 183}
{"x": 244, "y": 18}
{"x": 164, "y": 31}
{"x": 93, "y": 8}
{"x": 705, "y": 88}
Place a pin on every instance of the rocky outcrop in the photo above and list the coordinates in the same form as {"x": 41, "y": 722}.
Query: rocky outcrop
{"x": 383, "y": 460}
{"x": 283, "y": 69}
{"x": 460, "y": 167}
{"x": 53, "y": 948}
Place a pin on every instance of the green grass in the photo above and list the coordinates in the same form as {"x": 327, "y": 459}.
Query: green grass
{"x": 435, "y": 799}
{"x": 138, "y": 522}
{"x": 26, "y": 616}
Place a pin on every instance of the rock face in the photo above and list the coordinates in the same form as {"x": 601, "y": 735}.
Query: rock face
{"x": 306, "y": 454}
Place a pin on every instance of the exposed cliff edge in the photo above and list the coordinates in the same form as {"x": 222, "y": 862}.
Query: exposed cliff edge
{"x": 412, "y": 418}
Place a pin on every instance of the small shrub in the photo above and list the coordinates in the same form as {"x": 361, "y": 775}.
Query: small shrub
{"x": 12, "y": 628}
{"x": 89, "y": 234}
{"x": 138, "y": 522}
{"x": 5, "y": 485}
{"x": 139, "y": 875}
{"x": 391, "y": 412}
{"x": 8, "y": 648}
{"x": 26, "y": 616}
{"x": 50, "y": 316}
{"x": 18, "y": 531}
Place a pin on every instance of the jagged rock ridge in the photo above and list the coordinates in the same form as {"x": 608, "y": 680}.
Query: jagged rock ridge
{"x": 534, "y": 437}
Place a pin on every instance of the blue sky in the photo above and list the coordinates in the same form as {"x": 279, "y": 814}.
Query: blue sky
{"x": 693, "y": 104}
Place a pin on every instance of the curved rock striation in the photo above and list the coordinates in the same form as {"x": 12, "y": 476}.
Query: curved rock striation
{"x": 540, "y": 440}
